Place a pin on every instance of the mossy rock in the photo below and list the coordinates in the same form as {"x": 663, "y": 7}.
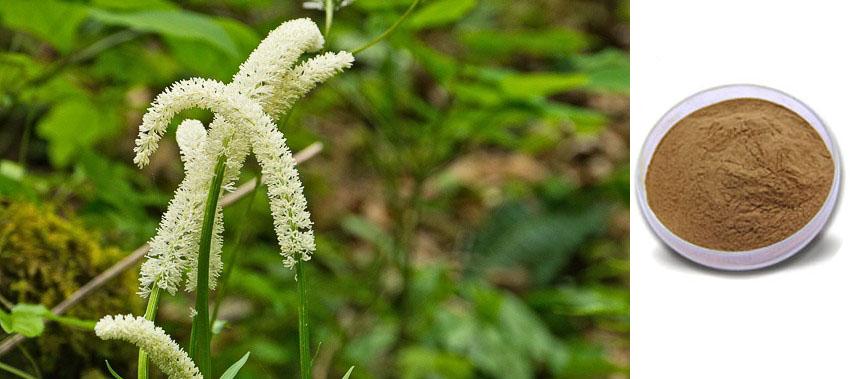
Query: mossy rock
{"x": 44, "y": 258}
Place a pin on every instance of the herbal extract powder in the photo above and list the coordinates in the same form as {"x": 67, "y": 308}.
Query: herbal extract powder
{"x": 739, "y": 175}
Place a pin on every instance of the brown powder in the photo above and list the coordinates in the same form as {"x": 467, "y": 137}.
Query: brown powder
{"x": 739, "y": 175}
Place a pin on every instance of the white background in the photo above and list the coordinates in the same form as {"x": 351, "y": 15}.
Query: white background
{"x": 788, "y": 321}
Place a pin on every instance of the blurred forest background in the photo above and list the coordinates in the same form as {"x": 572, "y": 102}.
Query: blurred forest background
{"x": 470, "y": 198}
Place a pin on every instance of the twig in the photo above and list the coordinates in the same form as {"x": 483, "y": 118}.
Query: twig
{"x": 130, "y": 260}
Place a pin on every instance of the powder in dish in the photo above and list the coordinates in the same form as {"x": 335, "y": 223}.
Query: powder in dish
{"x": 739, "y": 175}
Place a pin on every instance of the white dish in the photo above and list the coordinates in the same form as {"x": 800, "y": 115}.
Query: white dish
{"x": 737, "y": 260}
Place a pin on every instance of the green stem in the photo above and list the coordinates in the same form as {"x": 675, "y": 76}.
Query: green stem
{"x": 15, "y": 371}
{"x": 72, "y": 322}
{"x": 150, "y": 315}
{"x": 303, "y": 322}
{"x": 389, "y": 31}
{"x": 231, "y": 259}
{"x": 329, "y": 16}
{"x": 199, "y": 344}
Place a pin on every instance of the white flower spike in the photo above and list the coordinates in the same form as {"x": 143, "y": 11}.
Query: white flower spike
{"x": 162, "y": 350}
{"x": 174, "y": 248}
{"x": 266, "y": 86}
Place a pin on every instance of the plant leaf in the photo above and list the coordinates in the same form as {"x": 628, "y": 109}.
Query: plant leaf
{"x": 441, "y": 12}
{"x": 174, "y": 23}
{"x": 541, "y": 241}
{"x": 607, "y": 71}
{"x": 111, "y": 371}
{"x": 525, "y": 85}
{"x": 73, "y": 126}
{"x": 5, "y": 319}
{"x": 52, "y": 21}
{"x": 231, "y": 372}
{"x": 348, "y": 373}
{"x": 25, "y": 319}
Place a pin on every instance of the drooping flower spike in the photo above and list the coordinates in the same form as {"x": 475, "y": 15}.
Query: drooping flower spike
{"x": 162, "y": 350}
{"x": 266, "y": 86}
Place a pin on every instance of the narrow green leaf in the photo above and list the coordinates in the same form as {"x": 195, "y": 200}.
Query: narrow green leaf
{"x": 111, "y": 371}
{"x": 441, "y": 12}
{"x": 199, "y": 340}
{"x": 348, "y": 373}
{"x": 235, "y": 367}
{"x": 174, "y": 23}
{"x": 524, "y": 85}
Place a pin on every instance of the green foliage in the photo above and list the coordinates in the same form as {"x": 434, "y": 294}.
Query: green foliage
{"x": 25, "y": 319}
{"x": 53, "y": 21}
{"x": 421, "y": 362}
{"x": 500, "y": 335}
{"x": 233, "y": 370}
{"x": 173, "y": 23}
{"x": 540, "y": 84}
{"x": 555, "y": 43}
{"x": 607, "y": 70}
{"x": 64, "y": 141}
{"x": 441, "y": 12}
{"x": 541, "y": 241}
{"x": 468, "y": 200}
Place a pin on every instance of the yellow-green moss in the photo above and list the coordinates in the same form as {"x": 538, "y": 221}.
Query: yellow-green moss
{"x": 44, "y": 258}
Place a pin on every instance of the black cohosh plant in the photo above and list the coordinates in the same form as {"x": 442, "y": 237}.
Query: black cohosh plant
{"x": 187, "y": 247}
